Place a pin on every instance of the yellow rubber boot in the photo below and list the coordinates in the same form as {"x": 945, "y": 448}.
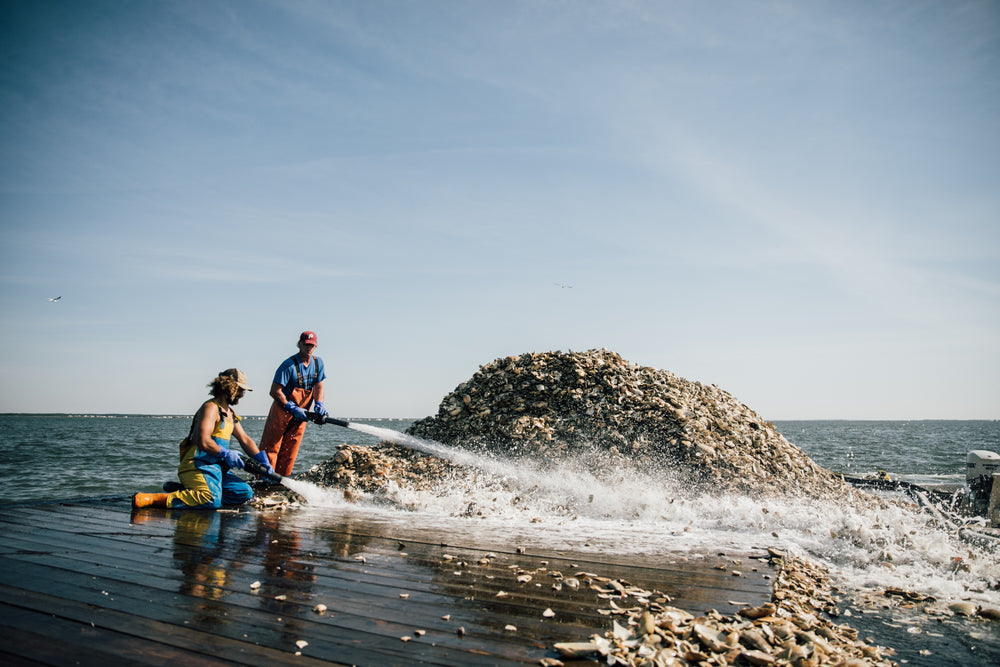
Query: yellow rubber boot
{"x": 140, "y": 500}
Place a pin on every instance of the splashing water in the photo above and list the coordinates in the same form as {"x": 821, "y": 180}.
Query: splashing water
{"x": 866, "y": 545}
{"x": 521, "y": 486}
{"x": 315, "y": 494}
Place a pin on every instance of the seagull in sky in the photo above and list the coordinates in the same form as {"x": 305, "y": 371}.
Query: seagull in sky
{"x": 564, "y": 286}
{"x": 55, "y": 299}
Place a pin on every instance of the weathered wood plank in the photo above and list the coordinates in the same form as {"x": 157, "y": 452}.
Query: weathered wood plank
{"x": 372, "y": 583}
{"x": 104, "y": 636}
{"x": 708, "y": 579}
{"x": 170, "y": 570}
{"x": 369, "y": 584}
{"x": 94, "y": 584}
{"x": 46, "y": 639}
{"x": 355, "y": 639}
{"x": 679, "y": 568}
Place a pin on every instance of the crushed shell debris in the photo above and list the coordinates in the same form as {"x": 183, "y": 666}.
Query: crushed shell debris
{"x": 790, "y": 631}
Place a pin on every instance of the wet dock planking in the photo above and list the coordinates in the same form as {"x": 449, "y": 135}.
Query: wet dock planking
{"x": 90, "y": 583}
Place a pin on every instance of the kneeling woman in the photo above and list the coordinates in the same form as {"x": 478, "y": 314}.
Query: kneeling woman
{"x": 205, "y": 456}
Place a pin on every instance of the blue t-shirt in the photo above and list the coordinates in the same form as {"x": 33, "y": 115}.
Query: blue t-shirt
{"x": 291, "y": 374}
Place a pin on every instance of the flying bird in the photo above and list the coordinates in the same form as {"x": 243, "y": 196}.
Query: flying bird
{"x": 55, "y": 299}
{"x": 564, "y": 286}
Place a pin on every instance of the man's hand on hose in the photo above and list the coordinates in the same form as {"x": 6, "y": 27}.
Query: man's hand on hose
{"x": 265, "y": 463}
{"x": 320, "y": 409}
{"x": 296, "y": 411}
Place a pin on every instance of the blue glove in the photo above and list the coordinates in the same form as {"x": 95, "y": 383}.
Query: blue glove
{"x": 265, "y": 463}
{"x": 320, "y": 409}
{"x": 296, "y": 411}
{"x": 230, "y": 458}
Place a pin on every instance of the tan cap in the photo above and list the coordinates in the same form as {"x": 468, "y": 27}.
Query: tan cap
{"x": 238, "y": 375}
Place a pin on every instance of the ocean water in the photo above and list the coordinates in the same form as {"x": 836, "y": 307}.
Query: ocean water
{"x": 913, "y": 450}
{"x": 582, "y": 504}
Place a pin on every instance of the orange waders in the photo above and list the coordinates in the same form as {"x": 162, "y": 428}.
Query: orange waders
{"x": 283, "y": 433}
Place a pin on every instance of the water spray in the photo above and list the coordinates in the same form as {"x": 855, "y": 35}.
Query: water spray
{"x": 312, "y": 493}
{"x": 404, "y": 439}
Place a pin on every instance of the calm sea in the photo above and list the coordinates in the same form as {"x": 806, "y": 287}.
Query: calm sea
{"x": 55, "y": 457}
{"x": 52, "y": 457}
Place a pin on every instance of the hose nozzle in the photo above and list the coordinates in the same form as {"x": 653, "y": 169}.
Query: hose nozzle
{"x": 255, "y": 468}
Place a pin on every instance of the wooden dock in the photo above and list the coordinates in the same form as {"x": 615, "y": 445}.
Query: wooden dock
{"x": 90, "y": 583}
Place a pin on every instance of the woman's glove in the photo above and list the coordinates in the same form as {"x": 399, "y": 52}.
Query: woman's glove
{"x": 230, "y": 458}
{"x": 320, "y": 409}
{"x": 265, "y": 463}
{"x": 296, "y": 411}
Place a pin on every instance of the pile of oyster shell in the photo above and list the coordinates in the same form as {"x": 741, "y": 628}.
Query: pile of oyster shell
{"x": 552, "y": 404}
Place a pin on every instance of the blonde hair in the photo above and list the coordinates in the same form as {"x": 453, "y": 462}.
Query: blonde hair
{"x": 224, "y": 386}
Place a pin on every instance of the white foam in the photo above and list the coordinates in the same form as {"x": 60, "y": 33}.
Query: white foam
{"x": 315, "y": 495}
{"x": 628, "y": 511}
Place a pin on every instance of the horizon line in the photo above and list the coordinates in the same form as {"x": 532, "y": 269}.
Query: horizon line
{"x": 254, "y": 416}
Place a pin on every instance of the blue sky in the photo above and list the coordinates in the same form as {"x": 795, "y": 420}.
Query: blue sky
{"x": 797, "y": 202}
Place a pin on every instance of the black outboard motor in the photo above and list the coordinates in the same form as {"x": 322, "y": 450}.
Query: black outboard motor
{"x": 979, "y": 468}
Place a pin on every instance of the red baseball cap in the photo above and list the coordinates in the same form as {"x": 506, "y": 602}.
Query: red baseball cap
{"x": 308, "y": 337}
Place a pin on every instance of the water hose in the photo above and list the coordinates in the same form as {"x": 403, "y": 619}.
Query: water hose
{"x": 254, "y": 467}
{"x": 320, "y": 419}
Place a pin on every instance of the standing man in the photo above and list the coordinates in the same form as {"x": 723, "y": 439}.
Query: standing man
{"x": 298, "y": 384}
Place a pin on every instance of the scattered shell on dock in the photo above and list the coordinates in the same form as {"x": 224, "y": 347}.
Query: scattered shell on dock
{"x": 963, "y": 608}
{"x": 576, "y": 649}
{"x": 791, "y": 630}
{"x": 990, "y": 613}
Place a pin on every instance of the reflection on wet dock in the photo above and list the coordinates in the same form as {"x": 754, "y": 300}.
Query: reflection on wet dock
{"x": 88, "y": 583}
